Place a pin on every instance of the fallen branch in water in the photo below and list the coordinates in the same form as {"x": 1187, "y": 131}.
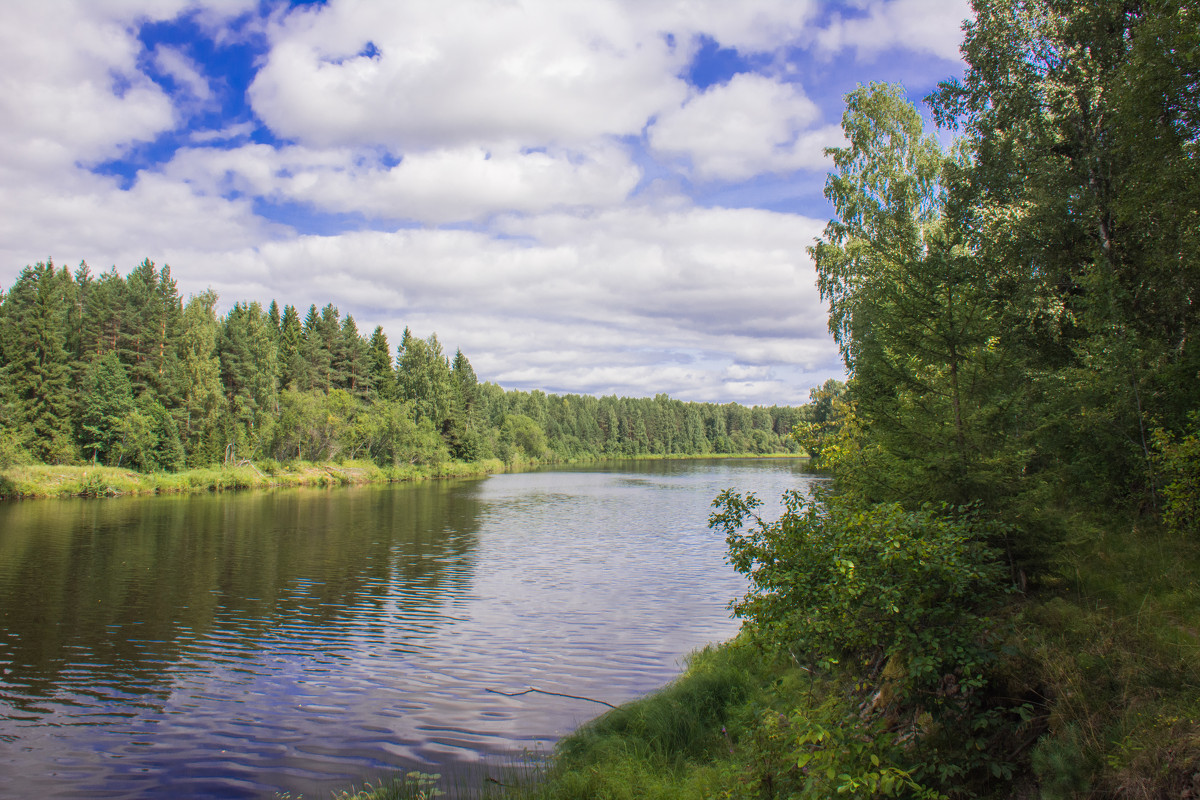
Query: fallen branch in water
{"x": 556, "y": 694}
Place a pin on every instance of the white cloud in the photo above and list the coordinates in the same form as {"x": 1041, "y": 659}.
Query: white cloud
{"x": 456, "y": 73}
{"x": 70, "y": 89}
{"x": 748, "y": 26}
{"x": 633, "y": 301}
{"x": 183, "y": 71}
{"x": 72, "y": 95}
{"x": 748, "y": 126}
{"x": 84, "y": 216}
{"x": 930, "y": 26}
{"x": 228, "y": 133}
{"x": 435, "y": 186}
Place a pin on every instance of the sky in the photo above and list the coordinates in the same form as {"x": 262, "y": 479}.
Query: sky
{"x": 584, "y": 196}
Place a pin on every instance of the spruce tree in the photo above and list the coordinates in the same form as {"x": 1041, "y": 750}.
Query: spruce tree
{"x": 292, "y": 368}
{"x": 315, "y": 352}
{"x": 37, "y": 363}
{"x": 379, "y": 365}
{"x": 105, "y": 399}
{"x": 351, "y": 364}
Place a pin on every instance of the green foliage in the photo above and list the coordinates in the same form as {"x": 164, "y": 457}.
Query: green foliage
{"x": 11, "y": 451}
{"x": 1178, "y": 462}
{"x": 412, "y": 786}
{"x": 912, "y": 310}
{"x": 836, "y": 580}
{"x": 1081, "y": 200}
{"x": 203, "y": 404}
{"x": 1063, "y": 766}
{"x": 146, "y": 438}
{"x": 106, "y": 398}
{"x": 36, "y": 364}
{"x": 832, "y": 751}
{"x": 905, "y": 594}
{"x": 522, "y": 439}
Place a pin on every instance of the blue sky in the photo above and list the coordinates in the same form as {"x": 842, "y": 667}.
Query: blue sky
{"x": 597, "y": 196}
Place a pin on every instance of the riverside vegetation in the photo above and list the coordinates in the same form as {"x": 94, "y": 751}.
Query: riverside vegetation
{"x": 999, "y": 597}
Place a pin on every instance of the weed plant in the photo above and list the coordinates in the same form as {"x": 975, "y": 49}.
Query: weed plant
{"x": 1113, "y": 642}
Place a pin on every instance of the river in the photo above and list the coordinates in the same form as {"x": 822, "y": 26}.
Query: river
{"x": 298, "y": 641}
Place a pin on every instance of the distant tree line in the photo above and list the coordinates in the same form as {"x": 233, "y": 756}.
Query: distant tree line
{"x": 120, "y": 371}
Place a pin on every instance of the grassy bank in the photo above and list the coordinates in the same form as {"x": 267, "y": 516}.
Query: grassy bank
{"x": 45, "y": 481}
{"x": 1101, "y": 657}
{"x": 42, "y": 481}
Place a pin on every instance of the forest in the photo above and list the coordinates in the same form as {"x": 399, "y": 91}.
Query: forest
{"x": 119, "y": 370}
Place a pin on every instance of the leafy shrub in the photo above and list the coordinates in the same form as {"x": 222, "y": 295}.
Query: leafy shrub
{"x": 1179, "y": 461}
{"x": 11, "y": 451}
{"x": 832, "y": 579}
{"x": 899, "y": 595}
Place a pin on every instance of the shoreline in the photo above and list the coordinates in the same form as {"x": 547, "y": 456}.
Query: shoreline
{"x": 56, "y": 482}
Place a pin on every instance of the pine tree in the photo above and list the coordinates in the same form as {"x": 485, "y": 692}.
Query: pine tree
{"x": 150, "y": 329}
{"x": 330, "y": 375}
{"x": 105, "y": 399}
{"x": 352, "y": 362}
{"x": 462, "y": 427}
{"x": 423, "y": 376}
{"x": 292, "y": 367}
{"x": 249, "y": 374}
{"x": 380, "y": 367}
{"x": 317, "y": 359}
{"x": 104, "y": 310}
{"x": 37, "y": 363}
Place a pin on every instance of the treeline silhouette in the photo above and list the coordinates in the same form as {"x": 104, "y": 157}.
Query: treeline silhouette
{"x": 119, "y": 370}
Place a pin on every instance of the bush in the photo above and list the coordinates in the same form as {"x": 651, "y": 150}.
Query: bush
{"x": 1179, "y": 462}
{"x": 832, "y": 579}
{"x": 901, "y": 598}
{"x": 11, "y": 451}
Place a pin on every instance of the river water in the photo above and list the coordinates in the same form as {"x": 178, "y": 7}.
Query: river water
{"x": 299, "y": 641}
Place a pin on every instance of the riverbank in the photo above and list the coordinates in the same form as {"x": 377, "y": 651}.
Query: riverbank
{"x": 1102, "y": 654}
{"x": 38, "y": 481}
{"x": 42, "y": 481}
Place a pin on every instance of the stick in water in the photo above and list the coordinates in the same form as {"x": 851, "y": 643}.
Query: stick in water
{"x": 556, "y": 694}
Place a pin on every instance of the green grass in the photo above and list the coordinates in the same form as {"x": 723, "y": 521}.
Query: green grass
{"x": 29, "y": 481}
{"x": 1113, "y": 642}
{"x": 675, "y": 744}
{"x": 44, "y": 481}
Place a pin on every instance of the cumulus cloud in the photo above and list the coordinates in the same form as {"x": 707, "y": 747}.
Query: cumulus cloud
{"x": 760, "y": 26}
{"x": 183, "y": 71}
{"x": 930, "y": 26}
{"x": 80, "y": 98}
{"x": 73, "y": 95}
{"x": 421, "y": 75}
{"x": 631, "y": 300}
{"x": 437, "y": 186}
{"x": 748, "y": 126}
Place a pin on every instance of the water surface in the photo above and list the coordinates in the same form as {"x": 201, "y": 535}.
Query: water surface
{"x": 240, "y": 645}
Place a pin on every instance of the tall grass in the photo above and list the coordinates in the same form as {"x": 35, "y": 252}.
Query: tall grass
{"x": 1114, "y": 647}
{"x": 42, "y": 481}
{"x": 666, "y": 745}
